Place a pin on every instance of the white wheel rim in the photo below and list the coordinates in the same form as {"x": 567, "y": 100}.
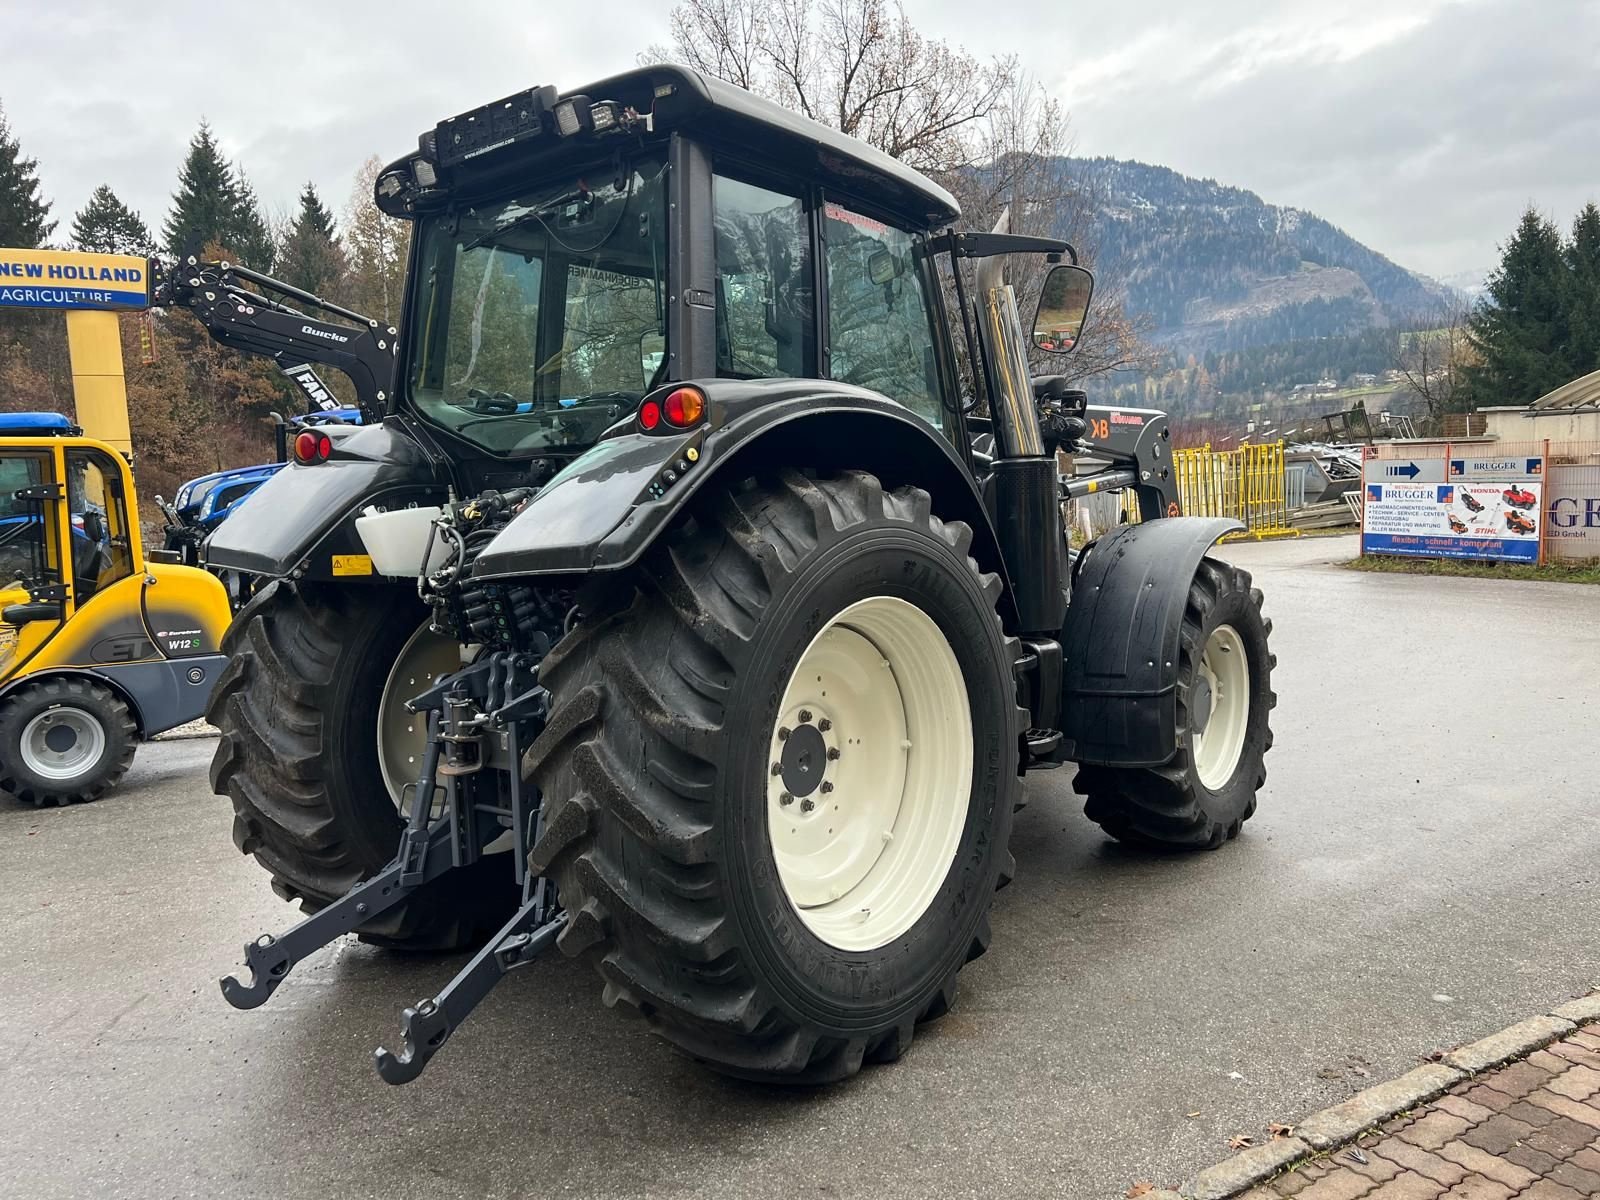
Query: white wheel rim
{"x": 63, "y": 743}
{"x": 403, "y": 736}
{"x": 1225, "y": 670}
{"x": 869, "y": 773}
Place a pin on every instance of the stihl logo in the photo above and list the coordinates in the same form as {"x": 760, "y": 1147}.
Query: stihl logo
{"x": 324, "y": 333}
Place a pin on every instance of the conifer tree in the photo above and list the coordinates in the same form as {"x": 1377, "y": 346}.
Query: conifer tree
{"x": 1521, "y": 331}
{"x": 311, "y": 257}
{"x": 24, "y": 214}
{"x": 105, "y": 225}
{"x": 206, "y": 201}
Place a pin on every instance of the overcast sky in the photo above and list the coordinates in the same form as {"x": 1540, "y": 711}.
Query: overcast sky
{"x": 1423, "y": 127}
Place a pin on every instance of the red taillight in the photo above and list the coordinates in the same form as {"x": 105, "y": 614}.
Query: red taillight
{"x": 684, "y": 407}
{"x": 310, "y": 447}
{"x": 649, "y": 414}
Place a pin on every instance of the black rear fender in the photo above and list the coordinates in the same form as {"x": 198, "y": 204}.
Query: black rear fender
{"x": 302, "y": 519}
{"x": 1120, "y": 641}
{"x": 609, "y": 506}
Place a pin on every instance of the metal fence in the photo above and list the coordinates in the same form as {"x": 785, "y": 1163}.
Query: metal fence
{"x": 1247, "y": 484}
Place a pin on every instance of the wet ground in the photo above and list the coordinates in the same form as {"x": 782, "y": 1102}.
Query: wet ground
{"x": 1423, "y": 870}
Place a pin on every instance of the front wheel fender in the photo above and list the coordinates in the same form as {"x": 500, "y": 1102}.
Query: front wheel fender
{"x": 1120, "y": 640}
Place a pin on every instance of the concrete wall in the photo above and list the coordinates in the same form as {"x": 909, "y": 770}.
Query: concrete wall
{"x": 1509, "y": 425}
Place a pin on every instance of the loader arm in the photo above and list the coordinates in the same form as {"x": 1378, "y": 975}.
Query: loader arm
{"x": 251, "y": 312}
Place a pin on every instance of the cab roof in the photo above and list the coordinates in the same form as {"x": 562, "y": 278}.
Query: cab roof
{"x": 677, "y": 97}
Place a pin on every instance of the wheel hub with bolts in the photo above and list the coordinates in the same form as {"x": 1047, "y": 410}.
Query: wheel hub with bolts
{"x": 863, "y": 824}
{"x": 1219, "y": 707}
{"x": 62, "y": 743}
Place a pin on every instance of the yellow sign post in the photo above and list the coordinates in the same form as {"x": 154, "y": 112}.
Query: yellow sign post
{"x": 91, "y": 288}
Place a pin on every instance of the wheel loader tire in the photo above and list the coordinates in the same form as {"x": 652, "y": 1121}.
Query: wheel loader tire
{"x": 782, "y": 881}
{"x": 298, "y": 707}
{"x": 1202, "y": 795}
{"x": 64, "y": 741}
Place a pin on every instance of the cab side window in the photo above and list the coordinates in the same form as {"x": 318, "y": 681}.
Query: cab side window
{"x": 880, "y": 325}
{"x": 766, "y": 323}
{"x": 26, "y": 550}
{"x": 102, "y": 543}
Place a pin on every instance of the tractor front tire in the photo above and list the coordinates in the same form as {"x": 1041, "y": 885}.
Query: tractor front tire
{"x": 64, "y": 741}
{"x": 779, "y": 774}
{"x": 1205, "y": 792}
{"x": 298, "y": 706}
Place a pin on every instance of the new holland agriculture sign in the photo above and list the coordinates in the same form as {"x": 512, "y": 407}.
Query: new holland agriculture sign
{"x": 68, "y": 279}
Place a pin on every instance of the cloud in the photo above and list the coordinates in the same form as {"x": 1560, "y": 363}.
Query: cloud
{"x": 1422, "y": 127}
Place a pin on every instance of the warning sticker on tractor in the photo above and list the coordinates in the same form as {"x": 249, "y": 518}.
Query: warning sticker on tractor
{"x": 352, "y": 564}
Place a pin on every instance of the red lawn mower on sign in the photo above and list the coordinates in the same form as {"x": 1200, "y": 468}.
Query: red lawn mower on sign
{"x": 1519, "y": 497}
{"x": 1518, "y": 523}
{"x": 1472, "y": 503}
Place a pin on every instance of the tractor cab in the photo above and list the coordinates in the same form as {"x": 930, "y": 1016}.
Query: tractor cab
{"x": 97, "y": 646}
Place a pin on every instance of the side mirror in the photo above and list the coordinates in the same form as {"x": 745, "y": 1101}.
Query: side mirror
{"x": 652, "y": 349}
{"x": 1063, "y": 305}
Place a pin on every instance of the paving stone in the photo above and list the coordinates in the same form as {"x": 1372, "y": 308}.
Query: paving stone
{"x": 1489, "y": 1097}
{"x": 1575, "y": 1053}
{"x": 1576, "y": 1083}
{"x": 1531, "y": 1114}
{"x": 1510, "y": 1043}
{"x": 1589, "y": 1160}
{"x": 1374, "y": 1104}
{"x": 1575, "y": 1177}
{"x": 1589, "y": 1037}
{"x": 1547, "y": 1061}
{"x": 1498, "y": 1134}
{"x": 1534, "y": 1160}
{"x": 1464, "y": 1108}
{"x": 1423, "y": 1162}
{"x": 1584, "y": 1008}
{"x": 1562, "y": 1138}
{"x": 1376, "y": 1168}
{"x": 1563, "y": 1107}
{"x": 1292, "y": 1183}
{"x": 1476, "y": 1187}
{"x": 1407, "y": 1187}
{"x": 1489, "y": 1165}
{"x": 1338, "y": 1184}
{"x": 1245, "y": 1168}
{"x": 1519, "y": 1079}
{"x": 1547, "y": 1190}
{"x": 1433, "y": 1130}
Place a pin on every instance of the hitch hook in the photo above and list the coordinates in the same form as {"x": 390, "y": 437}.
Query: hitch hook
{"x": 266, "y": 964}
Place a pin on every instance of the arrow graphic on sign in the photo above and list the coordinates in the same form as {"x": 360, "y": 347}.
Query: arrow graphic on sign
{"x": 1409, "y": 471}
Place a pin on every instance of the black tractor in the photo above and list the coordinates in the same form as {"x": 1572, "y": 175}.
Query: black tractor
{"x": 703, "y": 594}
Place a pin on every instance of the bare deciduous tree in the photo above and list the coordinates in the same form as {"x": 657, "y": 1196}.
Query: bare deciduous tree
{"x": 987, "y": 131}
{"x": 1433, "y": 361}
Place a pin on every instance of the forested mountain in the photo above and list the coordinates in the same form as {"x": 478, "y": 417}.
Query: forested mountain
{"x": 1216, "y": 268}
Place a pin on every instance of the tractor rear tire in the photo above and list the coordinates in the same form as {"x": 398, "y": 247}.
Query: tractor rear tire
{"x": 1205, "y": 792}
{"x": 64, "y": 741}
{"x": 695, "y": 770}
{"x": 298, "y": 706}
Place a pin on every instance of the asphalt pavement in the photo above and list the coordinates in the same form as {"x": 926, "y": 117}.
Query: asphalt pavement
{"x": 1422, "y": 871}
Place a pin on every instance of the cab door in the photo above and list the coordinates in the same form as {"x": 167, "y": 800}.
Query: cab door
{"x": 33, "y": 592}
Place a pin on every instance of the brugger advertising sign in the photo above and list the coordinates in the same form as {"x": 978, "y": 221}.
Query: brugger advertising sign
{"x": 1488, "y": 508}
{"x": 59, "y": 279}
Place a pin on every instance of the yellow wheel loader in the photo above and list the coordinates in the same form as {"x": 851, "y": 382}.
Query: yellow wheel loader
{"x": 98, "y": 647}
